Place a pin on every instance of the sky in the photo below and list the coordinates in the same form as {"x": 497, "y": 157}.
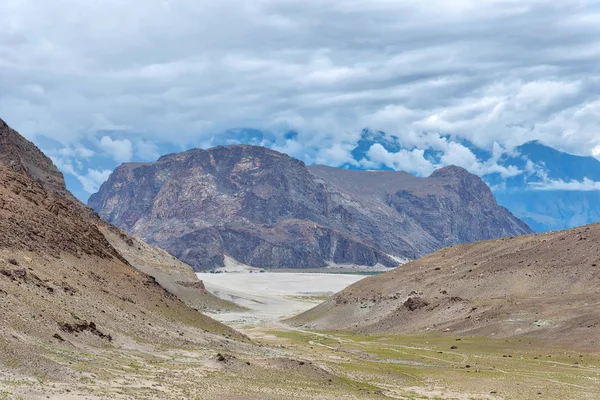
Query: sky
{"x": 100, "y": 82}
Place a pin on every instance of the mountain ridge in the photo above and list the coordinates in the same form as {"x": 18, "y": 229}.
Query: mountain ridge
{"x": 20, "y": 155}
{"x": 258, "y": 205}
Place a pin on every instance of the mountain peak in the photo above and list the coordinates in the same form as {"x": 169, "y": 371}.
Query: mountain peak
{"x": 266, "y": 209}
{"x": 22, "y": 156}
{"x": 235, "y": 150}
{"x": 451, "y": 171}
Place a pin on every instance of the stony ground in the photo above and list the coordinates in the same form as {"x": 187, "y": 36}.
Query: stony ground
{"x": 288, "y": 363}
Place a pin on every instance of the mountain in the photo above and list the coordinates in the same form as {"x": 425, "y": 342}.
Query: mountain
{"x": 265, "y": 209}
{"x": 546, "y": 188}
{"x": 63, "y": 285}
{"x": 544, "y": 285}
{"x": 21, "y": 156}
{"x": 560, "y": 193}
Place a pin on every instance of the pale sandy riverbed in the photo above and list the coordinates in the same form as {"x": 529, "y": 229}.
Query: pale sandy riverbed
{"x": 272, "y": 297}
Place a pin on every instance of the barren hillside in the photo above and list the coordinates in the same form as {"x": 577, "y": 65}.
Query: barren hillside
{"x": 63, "y": 284}
{"x": 545, "y": 285}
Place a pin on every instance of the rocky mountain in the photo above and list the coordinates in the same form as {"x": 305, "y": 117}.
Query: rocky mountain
{"x": 546, "y": 188}
{"x": 544, "y": 285}
{"x": 20, "y": 155}
{"x": 266, "y": 209}
{"x": 63, "y": 284}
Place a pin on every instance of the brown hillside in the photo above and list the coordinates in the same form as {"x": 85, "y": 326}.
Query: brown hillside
{"x": 545, "y": 286}
{"x": 62, "y": 284}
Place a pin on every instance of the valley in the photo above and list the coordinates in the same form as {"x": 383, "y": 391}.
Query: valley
{"x": 299, "y": 200}
{"x": 90, "y": 312}
{"x": 270, "y": 297}
{"x": 283, "y": 361}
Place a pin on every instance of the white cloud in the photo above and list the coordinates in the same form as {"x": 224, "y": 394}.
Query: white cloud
{"x": 451, "y": 153}
{"x": 180, "y": 72}
{"x": 119, "y": 150}
{"x": 584, "y": 185}
{"x": 411, "y": 161}
{"x": 79, "y": 152}
{"x": 92, "y": 180}
{"x": 147, "y": 150}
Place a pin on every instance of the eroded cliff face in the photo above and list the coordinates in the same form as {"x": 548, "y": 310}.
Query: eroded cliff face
{"x": 268, "y": 210}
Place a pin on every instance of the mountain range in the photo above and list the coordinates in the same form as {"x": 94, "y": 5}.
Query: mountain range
{"x": 262, "y": 208}
{"x": 89, "y": 311}
{"x": 546, "y": 188}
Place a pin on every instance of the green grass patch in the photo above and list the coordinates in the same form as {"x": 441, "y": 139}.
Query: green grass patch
{"x": 513, "y": 369}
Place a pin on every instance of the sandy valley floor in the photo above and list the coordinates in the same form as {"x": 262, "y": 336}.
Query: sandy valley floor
{"x": 270, "y": 297}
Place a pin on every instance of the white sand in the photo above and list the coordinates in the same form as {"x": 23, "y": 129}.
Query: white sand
{"x": 273, "y": 296}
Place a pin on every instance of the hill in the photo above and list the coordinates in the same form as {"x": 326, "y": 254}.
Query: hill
{"x": 62, "y": 283}
{"x": 544, "y": 285}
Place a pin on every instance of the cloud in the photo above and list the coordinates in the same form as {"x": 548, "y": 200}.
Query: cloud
{"x": 119, "y": 150}
{"x": 586, "y": 185}
{"x": 127, "y": 78}
{"x": 90, "y": 180}
{"x": 147, "y": 150}
{"x": 411, "y": 161}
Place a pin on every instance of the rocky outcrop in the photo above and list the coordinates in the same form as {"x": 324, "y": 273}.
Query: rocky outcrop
{"x": 268, "y": 210}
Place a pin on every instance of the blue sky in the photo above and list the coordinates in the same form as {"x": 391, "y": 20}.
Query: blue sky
{"x": 98, "y": 83}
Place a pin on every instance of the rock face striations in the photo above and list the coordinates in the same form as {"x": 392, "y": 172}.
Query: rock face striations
{"x": 268, "y": 210}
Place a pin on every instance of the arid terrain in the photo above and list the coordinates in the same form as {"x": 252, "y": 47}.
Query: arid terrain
{"x": 88, "y": 312}
{"x": 270, "y": 297}
{"x": 544, "y": 286}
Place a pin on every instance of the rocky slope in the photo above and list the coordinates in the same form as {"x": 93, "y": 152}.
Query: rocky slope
{"x": 266, "y": 209}
{"x": 20, "y": 155}
{"x": 544, "y": 285}
{"x": 62, "y": 284}
{"x": 175, "y": 276}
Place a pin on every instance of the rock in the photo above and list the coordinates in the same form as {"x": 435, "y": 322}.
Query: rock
{"x": 85, "y": 327}
{"x": 58, "y": 337}
{"x": 194, "y": 285}
{"x": 415, "y": 303}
